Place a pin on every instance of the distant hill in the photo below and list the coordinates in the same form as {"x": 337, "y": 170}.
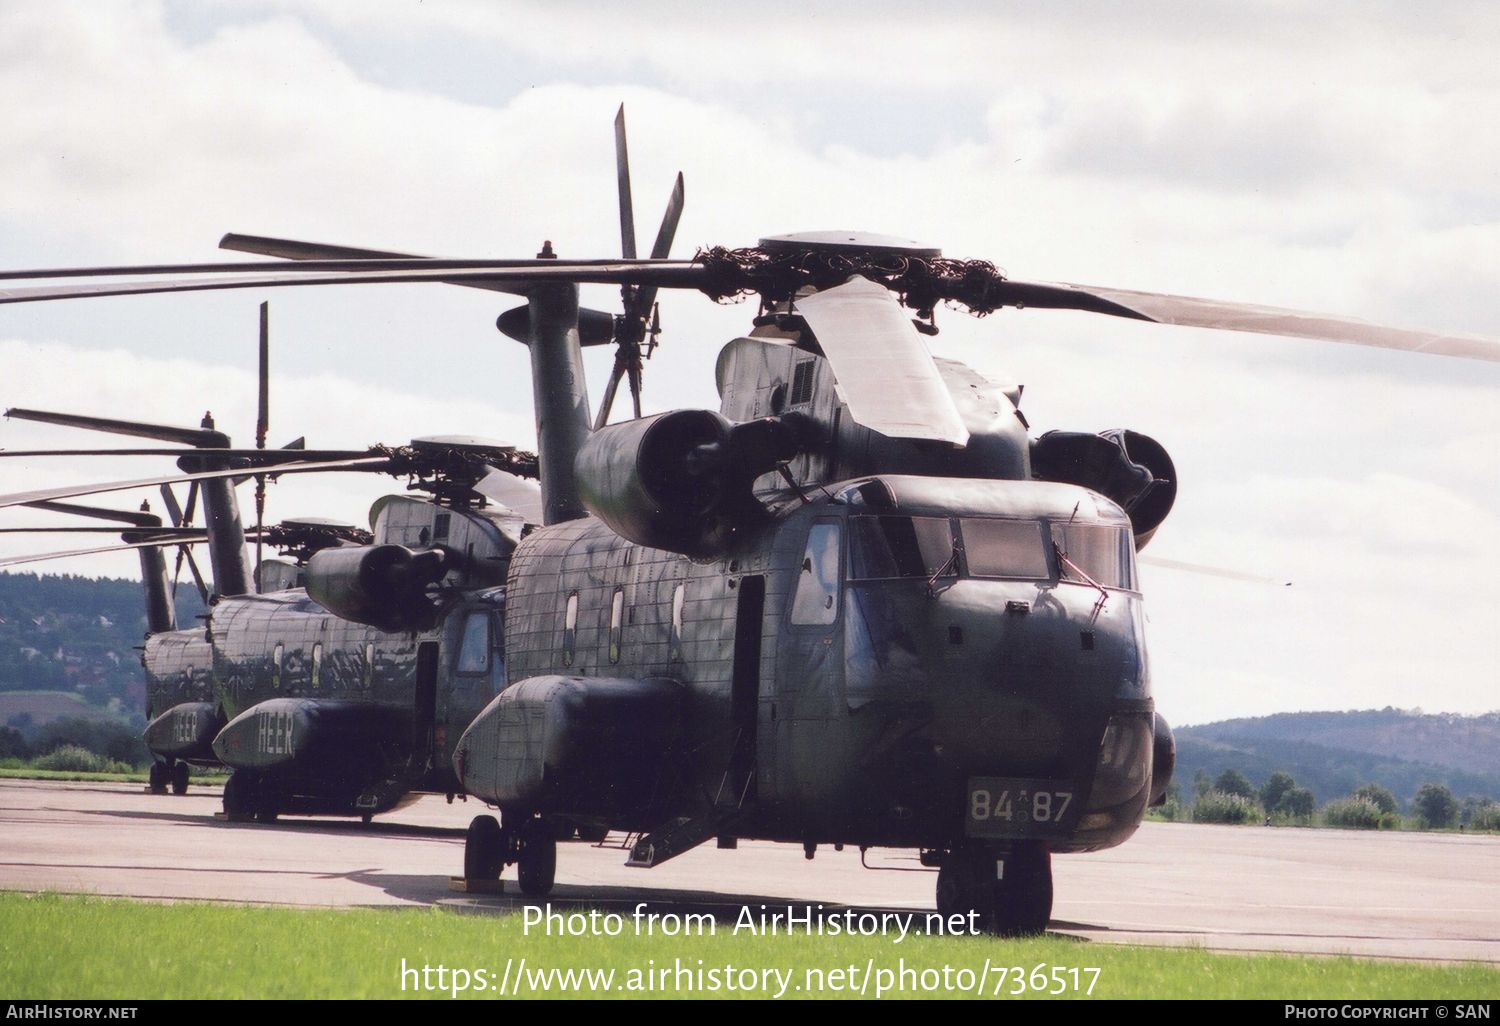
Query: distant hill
{"x": 1332, "y": 753}
{"x": 69, "y": 647}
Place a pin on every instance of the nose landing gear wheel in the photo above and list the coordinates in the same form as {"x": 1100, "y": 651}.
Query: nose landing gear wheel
{"x": 536, "y": 861}
{"x": 1009, "y": 892}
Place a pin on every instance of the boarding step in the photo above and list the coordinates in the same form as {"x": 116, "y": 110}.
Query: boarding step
{"x": 677, "y": 837}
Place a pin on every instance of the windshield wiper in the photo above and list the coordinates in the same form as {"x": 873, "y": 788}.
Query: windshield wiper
{"x": 1062, "y": 557}
{"x": 951, "y": 563}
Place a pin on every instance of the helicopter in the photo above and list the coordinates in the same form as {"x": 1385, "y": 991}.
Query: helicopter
{"x": 859, "y": 604}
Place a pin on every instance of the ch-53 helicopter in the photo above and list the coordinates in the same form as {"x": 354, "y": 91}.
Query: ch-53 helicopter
{"x": 857, "y": 605}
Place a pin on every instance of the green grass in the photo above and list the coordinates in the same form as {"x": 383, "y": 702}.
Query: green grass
{"x": 93, "y": 948}
{"x": 27, "y": 773}
{"x": 200, "y": 776}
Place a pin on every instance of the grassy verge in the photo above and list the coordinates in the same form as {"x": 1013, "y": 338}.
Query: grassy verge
{"x": 25, "y": 773}
{"x": 68, "y": 947}
{"x": 200, "y": 776}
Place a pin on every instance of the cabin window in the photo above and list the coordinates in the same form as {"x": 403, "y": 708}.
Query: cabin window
{"x": 1106, "y": 554}
{"x": 440, "y": 526}
{"x": 616, "y": 624}
{"x": 883, "y": 547}
{"x": 474, "y": 644}
{"x": 816, "y": 600}
{"x": 369, "y": 668}
{"x": 802, "y": 383}
{"x": 674, "y": 645}
{"x": 570, "y": 629}
{"x": 276, "y": 654}
{"x": 1005, "y": 548}
{"x": 317, "y": 665}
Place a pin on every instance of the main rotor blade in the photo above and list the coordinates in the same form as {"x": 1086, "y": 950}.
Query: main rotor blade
{"x": 292, "y": 249}
{"x": 1189, "y": 311}
{"x": 512, "y": 278}
{"x": 1214, "y": 571}
{"x": 37, "y": 557}
{"x": 161, "y": 432}
{"x": 167, "y": 534}
{"x": 518, "y": 495}
{"x": 138, "y": 518}
{"x": 622, "y": 177}
{"x": 68, "y": 491}
{"x": 881, "y": 364}
{"x": 256, "y": 457}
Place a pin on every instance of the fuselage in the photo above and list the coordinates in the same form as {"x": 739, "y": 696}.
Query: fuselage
{"x": 896, "y": 661}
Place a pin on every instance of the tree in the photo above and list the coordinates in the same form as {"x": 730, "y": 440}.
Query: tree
{"x": 1232, "y": 781}
{"x": 1298, "y": 802}
{"x": 1436, "y": 806}
{"x": 1378, "y": 796}
{"x": 1201, "y": 783}
{"x": 1277, "y": 785}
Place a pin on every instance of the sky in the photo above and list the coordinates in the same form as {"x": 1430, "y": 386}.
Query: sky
{"x": 1339, "y": 159}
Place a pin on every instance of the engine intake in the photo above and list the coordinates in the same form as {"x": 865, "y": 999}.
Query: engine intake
{"x": 384, "y": 586}
{"x": 682, "y": 481}
{"x": 1130, "y": 468}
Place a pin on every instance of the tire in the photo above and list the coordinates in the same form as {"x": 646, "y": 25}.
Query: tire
{"x": 241, "y": 792}
{"x": 1023, "y": 901}
{"x": 1017, "y": 905}
{"x": 536, "y": 864}
{"x": 157, "y": 777}
{"x": 484, "y": 849}
{"x": 180, "y": 778}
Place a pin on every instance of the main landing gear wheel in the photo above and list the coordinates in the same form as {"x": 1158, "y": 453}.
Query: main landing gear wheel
{"x": 484, "y": 849}
{"x": 158, "y": 777}
{"x": 1009, "y": 891}
{"x": 536, "y": 860}
{"x": 180, "y": 778}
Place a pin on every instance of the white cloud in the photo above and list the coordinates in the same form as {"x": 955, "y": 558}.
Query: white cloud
{"x": 1329, "y": 161}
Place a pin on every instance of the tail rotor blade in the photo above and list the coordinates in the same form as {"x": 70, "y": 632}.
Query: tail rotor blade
{"x": 668, "y": 230}
{"x": 622, "y": 173}
{"x": 663, "y": 246}
{"x": 183, "y": 550}
{"x": 173, "y": 509}
{"x": 262, "y": 428}
{"x": 263, "y": 418}
{"x": 609, "y": 392}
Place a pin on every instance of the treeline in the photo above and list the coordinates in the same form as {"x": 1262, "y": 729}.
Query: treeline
{"x": 1333, "y": 768}
{"x": 74, "y": 744}
{"x": 78, "y": 634}
{"x": 1232, "y": 798}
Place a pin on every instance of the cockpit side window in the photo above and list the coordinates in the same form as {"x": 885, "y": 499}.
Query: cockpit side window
{"x": 1005, "y": 548}
{"x": 1106, "y": 554}
{"x": 816, "y": 600}
{"x": 885, "y": 547}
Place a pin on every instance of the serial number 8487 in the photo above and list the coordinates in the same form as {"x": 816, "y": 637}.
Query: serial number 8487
{"x": 1036, "y": 806}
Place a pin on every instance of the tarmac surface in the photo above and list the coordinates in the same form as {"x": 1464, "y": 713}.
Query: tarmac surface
{"x": 1424, "y": 896}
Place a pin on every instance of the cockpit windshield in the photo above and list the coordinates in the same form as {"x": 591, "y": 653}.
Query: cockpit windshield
{"x": 884, "y": 547}
{"x": 1103, "y": 553}
{"x": 1005, "y": 548}
{"x": 887, "y": 547}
